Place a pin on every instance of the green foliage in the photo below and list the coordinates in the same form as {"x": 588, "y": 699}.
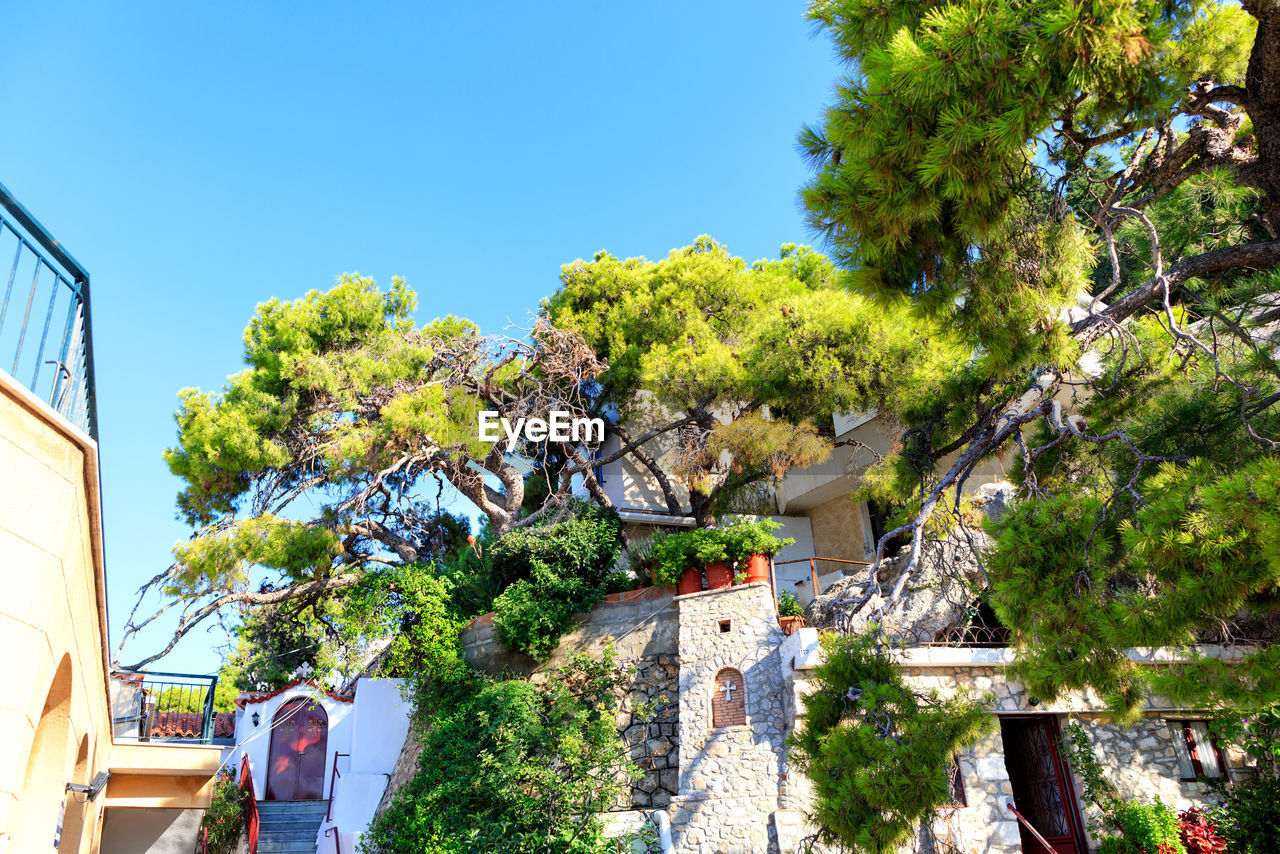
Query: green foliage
{"x": 1249, "y": 816}
{"x": 732, "y": 543}
{"x": 1203, "y": 546}
{"x": 224, "y": 819}
{"x": 922, "y": 182}
{"x": 788, "y": 605}
{"x": 514, "y": 766}
{"x": 408, "y": 606}
{"x": 672, "y": 556}
{"x": 743, "y": 538}
{"x": 553, "y": 573}
{"x": 878, "y": 755}
{"x": 1146, "y": 828}
{"x": 275, "y": 643}
{"x": 704, "y": 333}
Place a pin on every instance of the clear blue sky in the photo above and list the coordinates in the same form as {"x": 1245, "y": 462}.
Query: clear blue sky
{"x": 201, "y": 160}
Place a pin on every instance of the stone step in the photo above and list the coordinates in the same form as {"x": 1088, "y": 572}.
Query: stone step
{"x": 298, "y": 847}
{"x": 288, "y": 826}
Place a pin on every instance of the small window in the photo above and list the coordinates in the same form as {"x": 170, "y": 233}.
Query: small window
{"x": 1198, "y": 755}
{"x": 726, "y": 626}
{"x": 957, "y": 786}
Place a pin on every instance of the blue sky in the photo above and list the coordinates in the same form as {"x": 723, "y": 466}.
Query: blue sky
{"x": 201, "y": 160}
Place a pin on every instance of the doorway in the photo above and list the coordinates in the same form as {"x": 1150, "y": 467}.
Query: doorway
{"x": 1042, "y": 789}
{"x": 299, "y": 739}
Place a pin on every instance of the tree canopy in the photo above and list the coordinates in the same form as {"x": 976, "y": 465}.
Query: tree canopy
{"x": 1087, "y": 196}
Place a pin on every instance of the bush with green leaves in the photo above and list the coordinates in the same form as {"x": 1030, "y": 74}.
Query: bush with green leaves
{"x": 788, "y": 606}
{"x": 879, "y": 754}
{"x": 555, "y": 572}
{"x": 518, "y": 766}
{"x": 743, "y": 538}
{"x": 1145, "y": 828}
{"x": 1248, "y": 817}
{"x": 224, "y": 819}
{"x": 672, "y": 556}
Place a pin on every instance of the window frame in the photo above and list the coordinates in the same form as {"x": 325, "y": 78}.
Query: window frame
{"x": 1192, "y": 749}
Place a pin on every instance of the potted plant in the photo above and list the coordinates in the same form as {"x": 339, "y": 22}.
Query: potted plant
{"x": 675, "y": 564}
{"x": 790, "y": 615}
{"x": 711, "y": 547}
{"x": 637, "y": 557}
{"x": 751, "y": 544}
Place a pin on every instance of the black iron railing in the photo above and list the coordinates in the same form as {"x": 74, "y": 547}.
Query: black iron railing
{"x": 46, "y": 337}
{"x": 178, "y": 707}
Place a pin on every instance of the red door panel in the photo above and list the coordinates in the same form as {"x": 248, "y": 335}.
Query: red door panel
{"x": 1041, "y": 786}
{"x": 299, "y": 738}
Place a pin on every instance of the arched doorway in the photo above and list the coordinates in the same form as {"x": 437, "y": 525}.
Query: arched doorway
{"x": 36, "y": 816}
{"x": 299, "y": 739}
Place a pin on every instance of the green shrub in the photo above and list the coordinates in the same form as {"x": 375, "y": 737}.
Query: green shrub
{"x": 788, "y": 606}
{"x": 555, "y": 572}
{"x": 1146, "y": 829}
{"x": 743, "y": 538}
{"x": 514, "y": 766}
{"x": 533, "y": 614}
{"x": 1249, "y": 816}
{"x": 224, "y": 819}
{"x": 879, "y": 755}
{"x": 672, "y": 556}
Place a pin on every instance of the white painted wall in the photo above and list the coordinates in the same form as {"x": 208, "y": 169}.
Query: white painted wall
{"x": 380, "y": 722}
{"x": 255, "y": 742}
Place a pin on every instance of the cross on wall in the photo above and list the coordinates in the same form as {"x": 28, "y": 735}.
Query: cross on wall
{"x": 728, "y": 689}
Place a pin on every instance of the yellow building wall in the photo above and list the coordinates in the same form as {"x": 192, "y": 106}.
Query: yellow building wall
{"x": 55, "y": 719}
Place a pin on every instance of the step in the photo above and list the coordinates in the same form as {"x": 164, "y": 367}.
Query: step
{"x": 293, "y": 807}
{"x": 278, "y": 825}
{"x": 287, "y": 839}
{"x": 287, "y": 847}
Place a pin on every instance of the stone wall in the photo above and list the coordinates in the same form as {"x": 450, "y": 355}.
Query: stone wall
{"x": 1140, "y": 759}
{"x": 653, "y": 742}
{"x": 729, "y": 776}
{"x": 641, "y": 624}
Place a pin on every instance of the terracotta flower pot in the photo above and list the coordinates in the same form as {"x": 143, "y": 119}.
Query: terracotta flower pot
{"x": 690, "y": 582}
{"x": 757, "y": 568}
{"x": 718, "y": 575}
{"x": 790, "y": 624}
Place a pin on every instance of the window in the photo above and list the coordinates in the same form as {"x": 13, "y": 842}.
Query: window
{"x": 726, "y": 626}
{"x": 1198, "y": 756}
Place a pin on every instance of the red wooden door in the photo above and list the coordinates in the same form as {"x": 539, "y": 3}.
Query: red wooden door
{"x": 1041, "y": 785}
{"x": 299, "y": 738}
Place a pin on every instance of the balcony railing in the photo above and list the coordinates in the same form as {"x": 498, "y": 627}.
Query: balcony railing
{"x": 167, "y": 707}
{"x": 46, "y": 338}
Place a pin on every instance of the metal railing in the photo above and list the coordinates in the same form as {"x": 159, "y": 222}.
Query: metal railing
{"x": 333, "y": 777}
{"x": 154, "y": 706}
{"x": 44, "y": 317}
{"x": 249, "y": 801}
{"x": 1031, "y": 828}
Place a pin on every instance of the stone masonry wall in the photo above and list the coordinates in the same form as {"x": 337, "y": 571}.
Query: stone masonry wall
{"x": 653, "y": 742}
{"x": 1141, "y": 760}
{"x": 729, "y": 776}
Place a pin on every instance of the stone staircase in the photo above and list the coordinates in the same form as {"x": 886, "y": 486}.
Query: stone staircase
{"x": 289, "y": 827}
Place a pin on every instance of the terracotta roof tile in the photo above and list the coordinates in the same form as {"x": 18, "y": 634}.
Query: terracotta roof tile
{"x": 249, "y": 697}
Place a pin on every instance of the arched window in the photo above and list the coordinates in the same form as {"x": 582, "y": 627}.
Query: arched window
{"x": 729, "y": 702}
